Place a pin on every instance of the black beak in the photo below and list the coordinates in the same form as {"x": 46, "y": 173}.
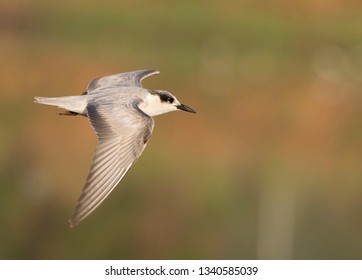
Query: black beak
{"x": 185, "y": 108}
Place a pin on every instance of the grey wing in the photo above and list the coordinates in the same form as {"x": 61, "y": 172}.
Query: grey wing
{"x": 129, "y": 79}
{"x": 122, "y": 135}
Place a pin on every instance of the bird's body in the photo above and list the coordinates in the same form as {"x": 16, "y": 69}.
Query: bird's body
{"x": 120, "y": 111}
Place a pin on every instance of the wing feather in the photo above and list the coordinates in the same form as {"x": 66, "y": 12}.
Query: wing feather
{"x": 129, "y": 79}
{"x": 121, "y": 135}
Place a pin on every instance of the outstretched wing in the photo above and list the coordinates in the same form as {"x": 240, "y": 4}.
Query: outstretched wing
{"x": 122, "y": 136}
{"x": 129, "y": 79}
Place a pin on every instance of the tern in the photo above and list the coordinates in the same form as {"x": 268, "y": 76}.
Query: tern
{"x": 120, "y": 111}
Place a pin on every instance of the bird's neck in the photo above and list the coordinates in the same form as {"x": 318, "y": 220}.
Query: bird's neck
{"x": 152, "y": 106}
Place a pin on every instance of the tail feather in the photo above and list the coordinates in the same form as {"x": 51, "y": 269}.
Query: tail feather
{"x": 76, "y": 104}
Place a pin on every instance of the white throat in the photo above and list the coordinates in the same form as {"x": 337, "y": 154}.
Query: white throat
{"x": 152, "y": 106}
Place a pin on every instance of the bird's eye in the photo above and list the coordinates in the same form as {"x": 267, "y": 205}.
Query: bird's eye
{"x": 167, "y": 98}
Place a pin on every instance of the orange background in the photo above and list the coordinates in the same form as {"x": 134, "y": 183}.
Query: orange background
{"x": 268, "y": 168}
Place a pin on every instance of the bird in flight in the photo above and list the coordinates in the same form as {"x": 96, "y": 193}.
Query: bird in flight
{"x": 120, "y": 111}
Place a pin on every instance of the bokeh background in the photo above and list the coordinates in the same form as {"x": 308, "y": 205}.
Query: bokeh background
{"x": 268, "y": 168}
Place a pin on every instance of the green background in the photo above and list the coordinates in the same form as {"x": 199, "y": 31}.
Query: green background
{"x": 268, "y": 168}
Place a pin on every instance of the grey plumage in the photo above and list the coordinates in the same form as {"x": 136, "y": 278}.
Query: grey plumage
{"x": 120, "y": 111}
{"x": 130, "y": 79}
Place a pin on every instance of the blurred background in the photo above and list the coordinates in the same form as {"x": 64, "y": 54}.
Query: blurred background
{"x": 268, "y": 168}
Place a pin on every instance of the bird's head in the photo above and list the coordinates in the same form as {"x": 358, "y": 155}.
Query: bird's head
{"x": 158, "y": 102}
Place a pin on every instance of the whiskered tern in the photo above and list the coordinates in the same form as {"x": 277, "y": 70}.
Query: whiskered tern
{"x": 120, "y": 111}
